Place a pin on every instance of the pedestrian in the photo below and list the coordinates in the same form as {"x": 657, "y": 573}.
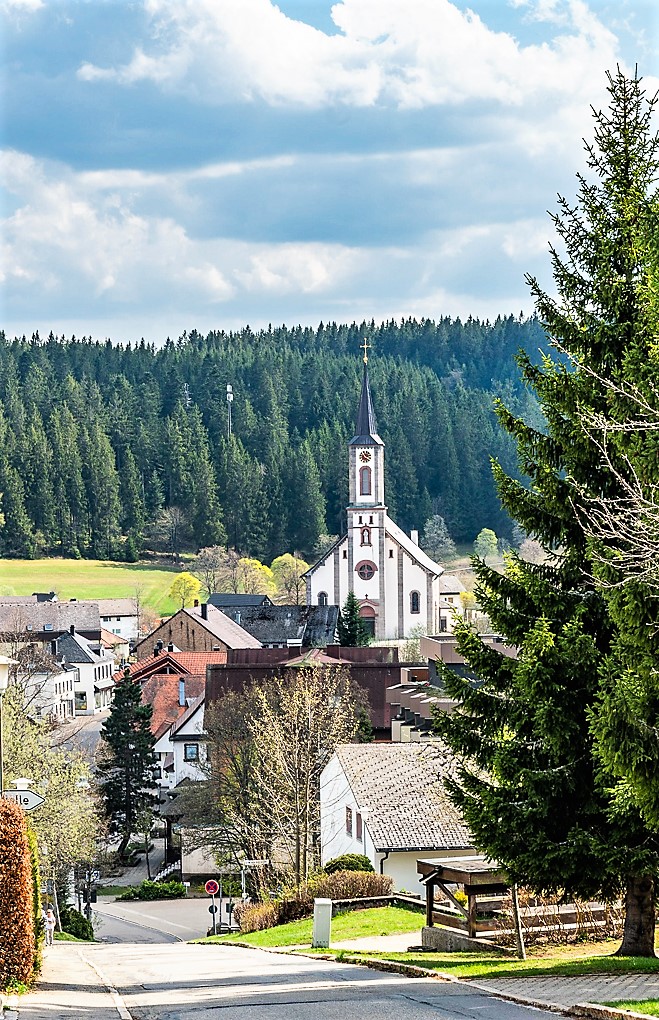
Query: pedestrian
{"x": 49, "y": 925}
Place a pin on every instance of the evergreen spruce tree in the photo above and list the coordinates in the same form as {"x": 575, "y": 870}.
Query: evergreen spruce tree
{"x": 532, "y": 787}
{"x": 352, "y": 631}
{"x": 127, "y": 768}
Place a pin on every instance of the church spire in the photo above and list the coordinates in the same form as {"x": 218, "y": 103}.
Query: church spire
{"x": 367, "y": 426}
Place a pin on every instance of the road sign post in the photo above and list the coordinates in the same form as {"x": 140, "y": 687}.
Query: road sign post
{"x": 212, "y": 888}
{"x": 27, "y": 799}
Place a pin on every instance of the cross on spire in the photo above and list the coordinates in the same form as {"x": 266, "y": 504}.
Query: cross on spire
{"x": 365, "y": 347}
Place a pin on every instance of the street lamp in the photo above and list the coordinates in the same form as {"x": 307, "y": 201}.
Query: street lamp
{"x": 5, "y": 663}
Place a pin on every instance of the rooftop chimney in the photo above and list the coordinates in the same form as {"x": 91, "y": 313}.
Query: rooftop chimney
{"x": 181, "y": 692}
{"x": 72, "y": 628}
{"x": 204, "y": 610}
{"x": 196, "y": 603}
{"x": 238, "y": 617}
{"x": 170, "y": 646}
{"x": 414, "y": 535}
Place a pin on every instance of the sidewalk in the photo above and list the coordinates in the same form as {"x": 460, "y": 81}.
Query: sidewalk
{"x": 133, "y": 876}
{"x": 68, "y": 987}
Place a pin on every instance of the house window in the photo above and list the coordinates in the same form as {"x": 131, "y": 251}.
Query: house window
{"x": 358, "y": 827}
{"x": 345, "y": 554}
{"x": 191, "y": 752}
{"x": 348, "y": 821}
{"x": 442, "y": 624}
{"x": 415, "y": 602}
{"x": 391, "y": 554}
{"x": 366, "y": 570}
{"x": 365, "y": 481}
{"x": 322, "y": 598}
{"x": 366, "y": 536}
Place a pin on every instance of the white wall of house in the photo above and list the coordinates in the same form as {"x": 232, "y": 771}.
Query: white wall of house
{"x": 88, "y": 698}
{"x": 51, "y": 694}
{"x": 189, "y": 749}
{"x": 124, "y": 626}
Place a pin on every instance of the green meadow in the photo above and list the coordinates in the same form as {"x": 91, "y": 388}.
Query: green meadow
{"x": 87, "y": 579}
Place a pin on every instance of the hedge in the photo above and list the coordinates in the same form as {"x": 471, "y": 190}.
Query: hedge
{"x": 155, "y": 891}
{"x": 17, "y": 935}
{"x": 297, "y": 903}
{"x": 348, "y": 862}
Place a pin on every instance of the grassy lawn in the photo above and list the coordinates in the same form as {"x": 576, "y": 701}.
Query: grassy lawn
{"x": 64, "y": 936}
{"x": 648, "y": 1006}
{"x": 85, "y": 579}
{"x": 114, "y": 890}
{"x": 595, "y": 958}
{"x": 354, "y": 924}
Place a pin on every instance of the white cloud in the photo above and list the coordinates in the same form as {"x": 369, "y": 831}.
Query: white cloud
{"x": 412, "y": 55}
{"x": 20, "y": 6}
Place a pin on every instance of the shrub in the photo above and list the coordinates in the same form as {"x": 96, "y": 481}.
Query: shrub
{"x": 17, "y": 938}
{"x": 348, "y": 862}
{"x": 155, "y": 891}
{"x": 75, "y": 923}
{"x": 298, "y": 902}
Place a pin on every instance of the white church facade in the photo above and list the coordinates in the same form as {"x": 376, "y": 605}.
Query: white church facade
{"x": 399, "y": 587}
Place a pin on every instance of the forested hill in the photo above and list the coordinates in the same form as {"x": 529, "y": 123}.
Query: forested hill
{"x": 96, "y": 440}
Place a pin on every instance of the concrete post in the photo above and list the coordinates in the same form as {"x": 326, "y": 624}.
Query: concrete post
{"x": 322, "y": 923}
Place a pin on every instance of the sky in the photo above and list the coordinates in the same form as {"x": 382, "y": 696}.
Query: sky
{"x": 170, "y": 165}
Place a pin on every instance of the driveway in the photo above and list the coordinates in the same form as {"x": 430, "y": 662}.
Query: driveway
{"x": 185, "y": 982}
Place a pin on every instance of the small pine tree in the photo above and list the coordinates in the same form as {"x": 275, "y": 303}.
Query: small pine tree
{"x": 127, "y": 769}
{"x": 352, "y": 630}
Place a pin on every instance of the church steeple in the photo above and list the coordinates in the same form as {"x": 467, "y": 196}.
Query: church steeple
{"x": 366, "y": 433}
{"x": 366, "y": 451}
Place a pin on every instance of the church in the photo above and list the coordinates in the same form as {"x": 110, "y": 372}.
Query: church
{"x": 398, "y": 586}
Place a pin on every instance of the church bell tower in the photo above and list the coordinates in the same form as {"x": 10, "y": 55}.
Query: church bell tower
{"x": 367, "y": 511}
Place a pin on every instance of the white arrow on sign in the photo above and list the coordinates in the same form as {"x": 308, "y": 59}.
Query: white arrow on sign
{"x": 27, "y": 799}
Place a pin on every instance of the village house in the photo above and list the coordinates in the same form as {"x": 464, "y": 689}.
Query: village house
{"x": 94, "y": 667}
{"x": 199, "y": 628}
{"x": 121, "y": 617}
{"x": 388, "y": 802}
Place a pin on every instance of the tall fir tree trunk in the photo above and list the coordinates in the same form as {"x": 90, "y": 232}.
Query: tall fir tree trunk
{"x": 638, "y": 935}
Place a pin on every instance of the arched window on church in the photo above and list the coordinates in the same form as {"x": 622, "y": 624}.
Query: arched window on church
{"x": 365, "y": 481}
{"x": 366, "y": 536}
{"x": 415, "y": 602}
{"x": 322, "y": 598}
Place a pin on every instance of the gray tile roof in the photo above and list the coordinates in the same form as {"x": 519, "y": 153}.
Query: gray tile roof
{"x": 117, "y": 607}
{"x": 50, "y": 617}
{"x": 73, "y": 648}
{"x": 222, "y": 600}
{"x": 308, "y": 626}
{"x": 400, "y": 789}
{"x": 223, "y": 628}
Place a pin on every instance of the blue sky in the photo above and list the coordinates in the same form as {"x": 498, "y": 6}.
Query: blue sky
{"x": 179, "y": 164}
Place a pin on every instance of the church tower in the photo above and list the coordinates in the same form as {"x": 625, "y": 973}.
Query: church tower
{"x": 367, "y": 511}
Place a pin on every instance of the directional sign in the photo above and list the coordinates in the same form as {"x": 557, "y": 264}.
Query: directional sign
{"x": 27, "y": 799}
{"x": 254, "y": 864}
{"x": 212, "y": 887}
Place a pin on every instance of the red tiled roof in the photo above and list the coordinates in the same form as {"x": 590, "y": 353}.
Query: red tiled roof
{"x": 162, "y": 693}
{"x": 183, "y": 662}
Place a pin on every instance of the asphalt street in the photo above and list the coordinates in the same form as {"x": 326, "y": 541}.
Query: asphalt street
{"x": 186, "y": 982}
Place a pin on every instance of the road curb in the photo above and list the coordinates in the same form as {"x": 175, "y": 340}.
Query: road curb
{"x": 597, "y": 1012}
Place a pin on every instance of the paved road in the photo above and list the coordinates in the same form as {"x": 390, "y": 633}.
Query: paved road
{"x": 113, "y": 930}
{"x": 184, "y": 919}
{"x": 185, "y": 982}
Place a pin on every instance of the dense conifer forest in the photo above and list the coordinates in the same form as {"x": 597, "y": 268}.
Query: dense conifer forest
{"x": 99, "y": 443}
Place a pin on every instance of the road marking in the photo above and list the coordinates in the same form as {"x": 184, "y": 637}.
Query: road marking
{"x": 147, "y": 927}
{"x": 119, "y": 1003}
{"x": 150, "y": 917}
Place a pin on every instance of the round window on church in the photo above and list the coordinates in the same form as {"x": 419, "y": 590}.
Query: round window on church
{"x": 366, "y": 570}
